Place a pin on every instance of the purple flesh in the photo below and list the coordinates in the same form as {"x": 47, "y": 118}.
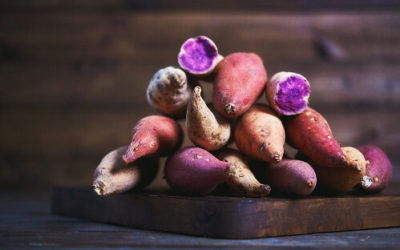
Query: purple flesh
{"x": 290, "y": 98}
{"x": 198, "y": 55}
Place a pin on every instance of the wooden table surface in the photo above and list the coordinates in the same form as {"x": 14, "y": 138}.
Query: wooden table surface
{"x": 25, "y": 222}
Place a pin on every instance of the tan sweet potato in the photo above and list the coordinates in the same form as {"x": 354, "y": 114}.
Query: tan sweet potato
{"x": 310, "y": 133}
{"x": 206, "y": 128}
{"x": 113, "y": 175}
{"x": 239, "y": 176}
{"x": 259, "y": 133}
{"x": 240, "y": 78}
{"x": 338, "y": 180}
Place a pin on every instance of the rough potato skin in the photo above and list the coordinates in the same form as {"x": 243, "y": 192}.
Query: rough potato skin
{"x": 239, "y": 177}
{"x": 310, "y": 133}
{"x": 113, "y": 175}
{"x": 378, "y": 169}
{"x": 240, "y": 78}
{"x": 293, "y": 177}
{"x": 260, "y": 134}
{"x": 206, "y": 127}
{"x": 340, "y": 180}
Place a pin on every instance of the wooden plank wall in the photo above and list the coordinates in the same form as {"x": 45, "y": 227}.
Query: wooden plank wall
{"x": 73, "y": 73}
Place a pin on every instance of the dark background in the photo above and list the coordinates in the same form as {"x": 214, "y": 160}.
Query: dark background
{"x": 73, "y": 74}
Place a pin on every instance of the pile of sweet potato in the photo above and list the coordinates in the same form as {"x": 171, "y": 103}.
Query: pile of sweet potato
{"x": 258, "y": 165}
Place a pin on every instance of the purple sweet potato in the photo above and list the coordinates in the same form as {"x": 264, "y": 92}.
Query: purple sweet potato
{"x": 153, "y": 136}
{"x": 240, "y": 78}
{"x": 288, "y": 93}
{"x": 259, "y": 134}
{"x": 293, "y": 177}
{"x": 378, "y": 169}
{"x": 310, "y": 133}
{"x": 199, "y": 56}
{"x": 195, "y": 171}
{"x": 113, "y": 175}
{"x": 239, "y": 177}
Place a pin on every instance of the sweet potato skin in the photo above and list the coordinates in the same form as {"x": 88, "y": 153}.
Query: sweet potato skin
{"x": 240, "y": 78}
{"x": 378, "y": 169}
{"x": 239, "y": 176}
{"x": 154, "y": 136}
{"x": 113, "y": 175}
{"x": 260, "y": 134}
{"x": 310, "y": 133}
{"x": 339, "y": 180}
{"x": 292, "y": 177}
{"x": 194, "y": 171}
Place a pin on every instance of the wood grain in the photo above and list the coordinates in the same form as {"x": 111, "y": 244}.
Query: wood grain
{"x": 229, "y": 217}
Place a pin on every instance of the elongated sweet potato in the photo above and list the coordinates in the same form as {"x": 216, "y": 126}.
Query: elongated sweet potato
{"x": 113, "y": 175}
{"x": 338, "y": 180}
{"x": 288, "y": 93}
{"x": 169, "y": 91}
{"x": 259, "y": 133}
{"x": 293, "y": 177}
{"x": 195, "y": 171}
{"x": 239, "y": 176}
{"x": 310, "y": 133}
{"x": 153, "y": 136}
{"x": 206, "y": 128}
{"x": 240, "y": 78}
{"x": 378, "y": 169}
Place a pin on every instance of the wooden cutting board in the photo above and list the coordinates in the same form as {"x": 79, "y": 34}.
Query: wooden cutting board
{"x": 229, "y": 217}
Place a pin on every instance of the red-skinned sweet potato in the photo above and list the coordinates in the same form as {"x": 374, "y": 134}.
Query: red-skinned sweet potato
{"x": 240, "y": 78}
{"x": 378, "y": 169}
{"x": 194, "y": 171}
{"x": 113, "y": 175}
{"x": 310, "y": 133}
{"x": 153, "y": 136}
{"x": 292, "y": 177}
{"x": 259, "y": 134}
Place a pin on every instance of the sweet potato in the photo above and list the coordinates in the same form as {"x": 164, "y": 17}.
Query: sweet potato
{"x": 240, "y": 78}
{"x": 292, "y": 177}
{"x": 288, "y": 93}
{"x": 113, "y": 175}
{"x": 338, "y": 180}
{"x": 259, "y": 133}
{"x": 153, "y": 136}
{"x": 239, "y": 176}
{"x": 195, "y": 171}
{"x": 198, "y": 56}
{"x": 169, "y": 91}
{"x": 378, "y": 169}
{"x": 206, "y": 128}
{"x": 310, "y": 133}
